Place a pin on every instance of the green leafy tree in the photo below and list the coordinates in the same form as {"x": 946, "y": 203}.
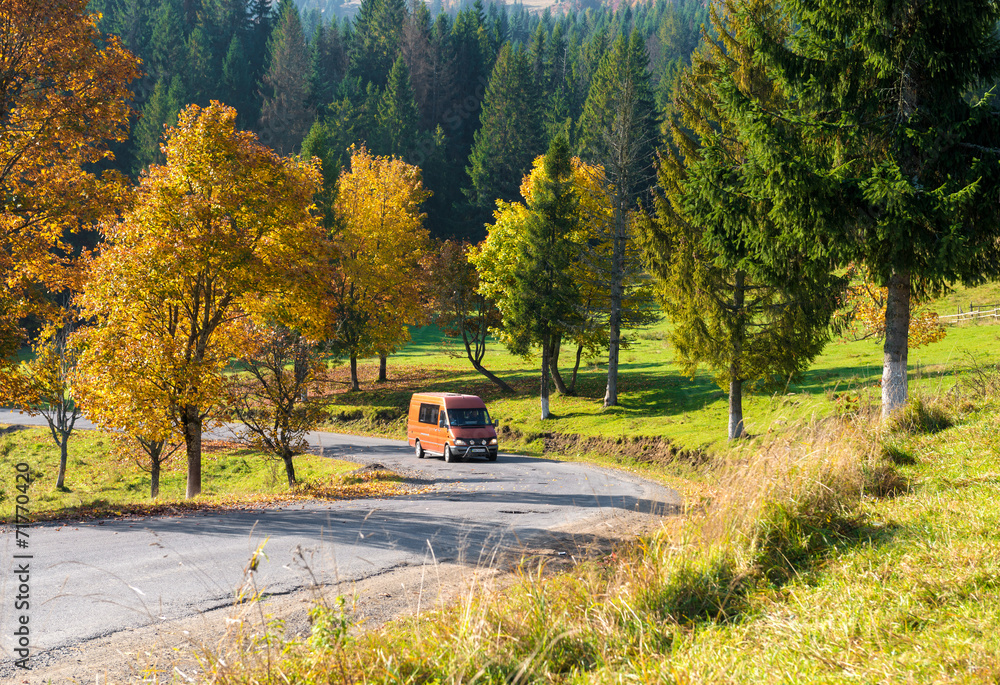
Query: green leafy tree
{"x": 880, "y": 156}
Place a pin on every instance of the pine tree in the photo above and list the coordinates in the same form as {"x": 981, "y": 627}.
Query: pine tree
{"x": 285, "y": 116}
{"x": 509, "y": 136}
{"x": 238, "y": 83}
{"x": 160, "y": 111}
{"x": 199, "y": 76}
{"x": 398, "y": 115}
{"x": 378, "y": 32}
{"x": 167, "y": 48}
{"x": 731, "y": 314}
{"x": 619, "y": 131}
{"x": 902, "y": 175}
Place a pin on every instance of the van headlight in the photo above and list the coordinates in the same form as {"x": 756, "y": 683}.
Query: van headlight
{"x": 463, "y": 443}
{"x": 493, "y": 441}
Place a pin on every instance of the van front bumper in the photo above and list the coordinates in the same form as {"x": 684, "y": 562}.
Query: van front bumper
{"x": 477, "y": 451}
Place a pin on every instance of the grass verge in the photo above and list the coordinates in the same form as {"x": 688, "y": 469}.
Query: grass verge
{"x": 98, "y": 484}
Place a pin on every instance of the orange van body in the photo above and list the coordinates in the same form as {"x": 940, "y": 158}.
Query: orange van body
{"x": 452, "y": 425}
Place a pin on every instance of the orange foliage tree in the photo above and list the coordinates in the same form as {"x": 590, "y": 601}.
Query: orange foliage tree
{"x": 63, "y": 95}
{"x": 865, "y": 304}
{"x": 223, "y": 231}
{"x": 379, "y": 241}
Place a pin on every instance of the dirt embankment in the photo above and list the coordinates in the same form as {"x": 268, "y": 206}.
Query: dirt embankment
{"x": 643, "y": 449}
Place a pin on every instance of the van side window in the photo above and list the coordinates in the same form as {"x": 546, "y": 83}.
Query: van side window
{"x": 428, "y": 413}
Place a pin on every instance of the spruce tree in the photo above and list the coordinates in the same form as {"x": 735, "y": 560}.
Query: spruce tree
{"x": 881, "y": 158}
{"x": 238, "y": 83}
{"x": 167, "y": 48}
{"x": 327, "y": 56}
{"x": 510, "y": 133}
{"x": 199, "y": 76}
{"x": 544, "y": 291}
{"x": 285, "y": 116}
{"x": 398, "y": 115}
{"x": 619, "y": 131}
{"x": 730, "y": 311}
{"x": 378, "y": 32}
{"x": 161, "y": 110}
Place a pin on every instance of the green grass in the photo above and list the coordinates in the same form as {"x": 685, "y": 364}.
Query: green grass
{"x": 99, "y": 483}
{"x": 813, "y": 559}
{"x": 656, "y": 399}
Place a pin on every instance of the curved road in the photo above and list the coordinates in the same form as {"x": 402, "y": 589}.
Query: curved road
{"x": 96, "y": 578}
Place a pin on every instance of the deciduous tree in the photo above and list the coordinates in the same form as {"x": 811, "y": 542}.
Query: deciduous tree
{"x": 376, "y": 287}
{"x": 460, "y": 310}
{"x": 223, "y": 231}
{"x": 48, "y": 388}
{"x": 270, "y": 399}
{"x": 63, "y": 95}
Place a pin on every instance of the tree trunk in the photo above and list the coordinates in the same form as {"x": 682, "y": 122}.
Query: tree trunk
{"x": 735, "y": 406}
{"x": 154, "y": 479}
{"x": 355, "y": 386}
{"x": 382, "y": 375}
{"x": 476, "y": 360}
{"x": 192, "y": 444}
{"x": 897, "y": 330}
{"x": 63, "y": 457}
{"x": 289, "y": 469}
{"x": 554, "y": 364}
{"x": 545, "y": 378}
{"x": 489, "y": 374}
{"x": 576, "y": 368}
{"x": 615, "y": 319}
{"x": 735, "y": 364}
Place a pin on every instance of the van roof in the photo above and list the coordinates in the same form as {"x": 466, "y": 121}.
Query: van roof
{"x": 454, "y": 399}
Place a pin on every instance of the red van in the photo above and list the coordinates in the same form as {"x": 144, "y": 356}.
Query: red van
{"x": 455, "y": 426}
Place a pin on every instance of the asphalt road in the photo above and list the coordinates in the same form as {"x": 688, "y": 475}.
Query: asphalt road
{"x": 96, "y": 578}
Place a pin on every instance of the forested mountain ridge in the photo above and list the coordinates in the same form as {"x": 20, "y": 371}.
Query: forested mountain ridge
{"x": 408, "y": 80}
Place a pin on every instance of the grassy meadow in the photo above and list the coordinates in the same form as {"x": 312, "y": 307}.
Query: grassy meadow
{"x": 843, "y": 551}
{"x": 100, "y": 483}
{"x": 656, "y": 398}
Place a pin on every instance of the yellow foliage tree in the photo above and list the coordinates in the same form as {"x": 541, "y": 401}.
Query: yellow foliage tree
{"x": 865, "y": 304}
{"x": 223, "y": 231}
{"x": 63, "y": 95}
{"x": 376, "y": 285}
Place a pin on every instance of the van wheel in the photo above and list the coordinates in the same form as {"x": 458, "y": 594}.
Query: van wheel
{"x": 418, "y": 449}
{"x": 449, "y": 456}
{"x": 492, "y": 457}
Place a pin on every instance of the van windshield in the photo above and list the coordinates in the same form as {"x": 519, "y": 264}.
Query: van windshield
{"x": 468, "y": 417}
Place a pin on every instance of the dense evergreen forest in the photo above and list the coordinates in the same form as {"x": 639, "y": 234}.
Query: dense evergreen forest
{"x": 471, "y": 93}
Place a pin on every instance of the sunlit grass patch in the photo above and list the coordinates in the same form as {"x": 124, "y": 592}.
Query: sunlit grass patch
{"x": 100, "y": 484}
